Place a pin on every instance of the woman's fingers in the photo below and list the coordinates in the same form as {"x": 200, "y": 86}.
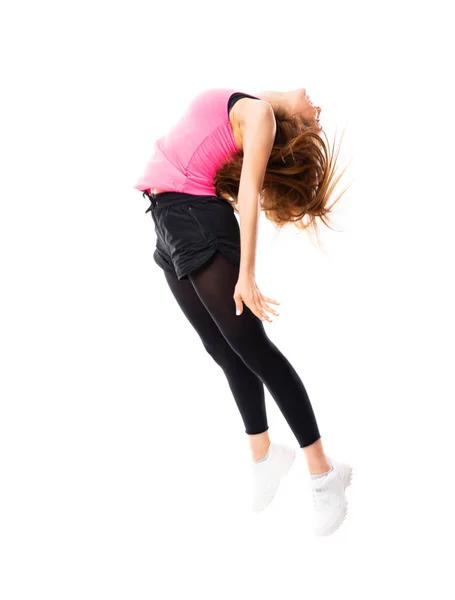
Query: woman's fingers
{"x": 255, "y": 309}
{"x": 258, "y": 304}
{"x": 270, "y": 299}
{"x": 265, "y": 306}
{"x": 262, "y": 308}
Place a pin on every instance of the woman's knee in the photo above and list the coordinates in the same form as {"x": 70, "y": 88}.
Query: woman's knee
{"x": 220, "y": 351}
{"x": 255, "y": 349}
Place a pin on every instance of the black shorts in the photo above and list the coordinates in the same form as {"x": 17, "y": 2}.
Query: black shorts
{"x": 190, "y": 229}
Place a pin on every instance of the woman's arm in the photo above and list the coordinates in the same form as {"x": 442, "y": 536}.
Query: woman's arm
{"x": 258, "y": 133}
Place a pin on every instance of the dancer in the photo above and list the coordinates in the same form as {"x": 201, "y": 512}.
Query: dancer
{"x": 233, "y": 152}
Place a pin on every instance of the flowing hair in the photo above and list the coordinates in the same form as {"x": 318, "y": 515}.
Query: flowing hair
{"x": 300, "y": 177}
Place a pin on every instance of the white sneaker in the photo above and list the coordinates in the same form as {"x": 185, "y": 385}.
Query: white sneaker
{"x": 267, "y": 474}
{"x": 329, "y": 498}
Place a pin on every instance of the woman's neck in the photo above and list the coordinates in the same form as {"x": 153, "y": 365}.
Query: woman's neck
{"x": 275, "y": 99}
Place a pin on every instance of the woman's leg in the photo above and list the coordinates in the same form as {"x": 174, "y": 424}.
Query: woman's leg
{"x": 246, "y": 387}
{"x": 214, "y": 283}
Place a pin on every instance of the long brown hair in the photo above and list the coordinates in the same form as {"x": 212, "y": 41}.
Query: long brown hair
{"x": 300, "y": 177}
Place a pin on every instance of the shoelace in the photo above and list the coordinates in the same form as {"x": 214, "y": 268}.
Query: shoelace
{"x": 320, "y": 493}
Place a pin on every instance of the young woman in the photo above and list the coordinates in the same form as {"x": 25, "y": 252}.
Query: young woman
{"x": 236, "y": 152}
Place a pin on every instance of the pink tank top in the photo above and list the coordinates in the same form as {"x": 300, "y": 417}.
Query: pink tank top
{"x": 188, "y": 156}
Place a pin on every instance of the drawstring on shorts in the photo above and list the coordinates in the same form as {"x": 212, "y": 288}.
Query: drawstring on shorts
{"x": 152, "y": 198}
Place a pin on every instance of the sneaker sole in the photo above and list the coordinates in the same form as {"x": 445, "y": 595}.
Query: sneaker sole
{"x": 274, "y": 490}
{"x": 346, "y": 480}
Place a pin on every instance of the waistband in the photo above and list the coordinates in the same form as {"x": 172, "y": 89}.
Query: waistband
{"x": 158, "y": 201}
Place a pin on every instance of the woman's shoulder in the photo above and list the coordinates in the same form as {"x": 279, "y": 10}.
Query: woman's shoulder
{"x": 225, "y": 97}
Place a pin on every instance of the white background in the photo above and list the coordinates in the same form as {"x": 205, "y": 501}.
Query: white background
{"x": 123, "y": 458}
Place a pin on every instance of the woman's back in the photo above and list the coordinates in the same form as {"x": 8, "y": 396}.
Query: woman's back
{"x": 188, "y": 156}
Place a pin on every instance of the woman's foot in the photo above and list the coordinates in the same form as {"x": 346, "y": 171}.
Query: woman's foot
{"x": 267, "y": 474}
{"x": 329, "y": 497}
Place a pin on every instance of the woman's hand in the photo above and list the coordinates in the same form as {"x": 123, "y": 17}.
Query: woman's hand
{"x": 246, "y": 291}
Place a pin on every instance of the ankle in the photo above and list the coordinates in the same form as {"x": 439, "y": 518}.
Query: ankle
{"x": 320, "y": 468}
{"x": 260, "y": 453}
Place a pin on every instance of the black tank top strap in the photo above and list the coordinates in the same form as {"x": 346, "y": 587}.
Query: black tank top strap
{"x": 236, "y": 96}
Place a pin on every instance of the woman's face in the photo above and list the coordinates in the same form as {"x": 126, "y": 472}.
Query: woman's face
{"x": 303, "y": 106}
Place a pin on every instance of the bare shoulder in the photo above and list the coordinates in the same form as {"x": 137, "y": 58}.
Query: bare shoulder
{"x": 250, "y": 113}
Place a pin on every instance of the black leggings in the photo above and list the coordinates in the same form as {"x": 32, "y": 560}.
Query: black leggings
{"x": 240, "y": 346}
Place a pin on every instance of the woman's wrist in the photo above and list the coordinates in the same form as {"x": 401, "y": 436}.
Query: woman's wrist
{"x": 246, "y": 272}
